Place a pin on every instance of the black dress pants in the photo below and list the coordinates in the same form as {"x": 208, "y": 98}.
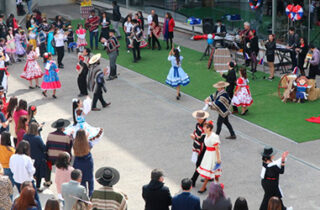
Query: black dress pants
{"x": 98, "y": 96}
{"x": 60, "y": 53}
{"x": 271, "y": 188}
{"x": 198, "y": 163}
{"x": 136, "y": 50}
{"x": 154, "y": 41}
{"x": 82, "y": 81}
{"x": 229, "y": 90}
{"x": 313, "y": 71}
{"x": 293, "y": 56}
{"x": 226, "y": 122}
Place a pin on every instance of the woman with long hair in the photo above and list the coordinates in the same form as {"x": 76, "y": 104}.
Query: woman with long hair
{"x": 270, "y": 53}
{"x": 32, "y": 70}
{"x": 210, "y": 164}
{"x": 105, "y": 26}
{"x": 26, "y": 200}
{"x": 176, "y": 76}
{"x": 81, "y": 37}
{"x": 59, "y": 22}
{"x": 241, "y": 204}
{"x": 63, "y": 171}
{"x": 50, "y": 78}
{"x": 242, "y": 95}
{"x": 13, "y": 102}
{"x": 302, "y": 51}
{"x": 156, "y": 31}
{"x": 127, "y": 27}
{"x": 20, "y": 111}
{"x": 79, "y": 111}
{"x": 21, "y": 128}
{"x": 216, "y": 199}
{"x": 168, "y": 28}
{"x": 141, "y": 19}
{"x": 275, "y": 204}
{"x": 50, "y": 40}
{"x": 32, "y": 112}
{"x": 6, "y": 151}
{"x": 83, "y": 159}
{"x": 37, "y": 152}
{"x": 52, "y": 204}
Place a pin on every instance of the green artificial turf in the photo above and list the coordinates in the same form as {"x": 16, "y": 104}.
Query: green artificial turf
{"x": 267, "y": 109}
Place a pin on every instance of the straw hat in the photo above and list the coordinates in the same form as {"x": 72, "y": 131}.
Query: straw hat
{"x": 95, "y": 58}
{"x": 221, "y": 84}
{"x": 200, "y": 114}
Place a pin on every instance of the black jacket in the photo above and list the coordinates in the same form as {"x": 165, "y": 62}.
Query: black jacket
{"x": 3, "y": 30}
{"x": 222, "y": 29}
{"x": 254, "y": 45}
{"x": 270, "y": 47}
{"x": 156, "y": 195}
{"x": 116, "y": 15}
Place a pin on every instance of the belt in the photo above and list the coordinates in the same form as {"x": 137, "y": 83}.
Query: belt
{"x": 273, "y": 179}
{"x": 211, "y": 149}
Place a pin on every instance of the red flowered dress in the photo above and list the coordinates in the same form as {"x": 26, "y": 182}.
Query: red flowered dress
{"x": 81, "y": 34}
{"x": 242, "y": 96}
{"x": 32, "y": 69}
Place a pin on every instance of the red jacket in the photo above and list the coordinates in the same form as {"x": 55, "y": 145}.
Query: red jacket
{"x": 171, "y": 25}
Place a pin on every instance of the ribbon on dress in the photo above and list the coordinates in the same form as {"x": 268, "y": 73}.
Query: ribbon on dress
{"x": 5, "y": 70}
{"x": 176, "y": 71}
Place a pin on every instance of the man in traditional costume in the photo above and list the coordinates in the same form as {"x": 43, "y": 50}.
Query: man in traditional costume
{"x": 220, "y": 102}
{"x": 82, "y": 69}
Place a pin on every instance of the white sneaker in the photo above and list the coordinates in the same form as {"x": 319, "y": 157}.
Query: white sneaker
{"x": 290, "y": 208}
{"x": 128, "y": 51}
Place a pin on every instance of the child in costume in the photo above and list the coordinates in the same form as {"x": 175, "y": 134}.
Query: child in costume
{"x": 80, "y": 110}
{"x": 3, "y": 72}
{"x": 50, "y": 78}
{"x": 81, "y": 37}
{"x": 176, "y": 76}
{"x": 32, "y": 37}
{"x": 19, "y": 37}
{"x": 11, "y": 46}
{"x": 70, "y": 39}
{"x": 32, "y": 70}
{"x": 242, "y": 96}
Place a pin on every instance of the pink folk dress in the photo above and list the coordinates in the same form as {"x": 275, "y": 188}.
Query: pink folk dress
{"x": 32, "y": 69}
{"x": 242, "y": 96}
{"x": 81, "y": 41}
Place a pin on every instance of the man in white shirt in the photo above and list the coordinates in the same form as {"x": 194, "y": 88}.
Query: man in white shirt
{"x": 128, "y": 29}
{"x": 150, "y": 18}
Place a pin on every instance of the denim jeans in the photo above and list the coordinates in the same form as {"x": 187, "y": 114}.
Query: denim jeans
{"x": 94, "y": 35}
{"x": 29, "y": 4}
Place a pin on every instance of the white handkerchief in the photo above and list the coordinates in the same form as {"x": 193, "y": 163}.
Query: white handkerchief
{"x": 194, "y": 157}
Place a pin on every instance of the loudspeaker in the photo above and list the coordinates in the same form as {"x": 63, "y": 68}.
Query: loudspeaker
{"x": 207, "y": 25}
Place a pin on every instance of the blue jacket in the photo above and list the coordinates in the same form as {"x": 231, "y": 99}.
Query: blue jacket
{"x": 186, "y": 201}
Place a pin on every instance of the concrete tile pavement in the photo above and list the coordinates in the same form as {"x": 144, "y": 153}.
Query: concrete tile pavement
{"x": 145, "y": 127}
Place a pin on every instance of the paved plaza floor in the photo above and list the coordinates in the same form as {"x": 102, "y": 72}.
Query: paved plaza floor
{"x": 146, "y": 128}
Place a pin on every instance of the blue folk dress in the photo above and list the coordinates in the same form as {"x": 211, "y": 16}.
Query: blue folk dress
{"x": 176, "y": 74}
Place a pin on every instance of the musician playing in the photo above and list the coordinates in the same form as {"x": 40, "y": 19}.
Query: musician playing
{"x": 302, "y": 51}
{"x": 314, "y": 62}
{"x": 293, "y": 42}
{"x": 245, "y": 38}
{"x": 219, "y": 30}
{"x": 137, "y": 37}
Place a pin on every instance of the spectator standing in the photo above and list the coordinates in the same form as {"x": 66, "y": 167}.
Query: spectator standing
{"x": 270, "y": 174}
{"x": 52, "y": 204}
{"x": 107, "y": 196}
{"x": 6, "y": 151}
{"x": 26, "y": 200}
{"x": 241, "y": 204}
{"x": 185, "y": 200}
{"x": 156, "y": 31}
{"x": 50, "y": 41}
{"x": 22, "y": 128}
{"x": 12, "y": 22}
{"x": 13, "y": 102}
{"x": 37, "y": 153}
{"x": 116, "y": 17}
{"x": 3, "y": 27}
{"x": 198, "y": 137}
{"x": 150, "y": 19}
{"x": 63, "y": 171}
{"x": 92, "y": 24}
{"x": 59, "y": 22}
{"x": 128, "y": 29}
{"x": 29, "y": 4}
{"x": 216, "y": 199}
{"x": 155, "y": 194}
{"x": 105, "y": 26}
{"x": 112, "y": 47}
{"x": 293, "y": 42}
{"x": 6, "y": 191}
{"x": 302, "y": 51}
{"x": 57, "y": 142}
{"x": 141, "y": 19}
{"x": 168, "y": 28}
{"x": 70, "y": 39}
{"x": 72, "y": 191}
{"x": 4, "y": 123}
{"x": 83, "y": 159}
{"x": 314, "y": 62}
{"x": 137, "y": 35}
{"x": 59, "y": 38}
{"x": 42, "y": 41}
{"x": 270, "y": 53}
{"x": 32, "y": 112}
{"x": 20, "y": 111}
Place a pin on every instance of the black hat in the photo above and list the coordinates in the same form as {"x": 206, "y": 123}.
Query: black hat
{"x": 61, "y": 123}
{"x": 268, "y": 152}
{"x": 231, "y": 64}
{"x": 107, "y": 176}
{"x": 112, "y": 31}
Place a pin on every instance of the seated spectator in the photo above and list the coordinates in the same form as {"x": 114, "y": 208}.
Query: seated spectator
{"x": 6, "y": 151}
{"x": 21, "y": 128}
{"x": 63, "y": 171}
{"x": 83, "y": 159}
{"x": 216, "y": 199}
{"x": 57, "y": 142}
{"x": 185, "y": 200}
{"x": 241, "y": 204}
{"x": 155, "y": 194}
{"x": 72, "y": 191}
{"x": 107, "y": 195}
{"x": 52, "y": 204}
{"x": 26, "y": 200}
{"x": 37, "y": 152}
{"x": 274, "y": 203}
{"x": 6, "y": 191}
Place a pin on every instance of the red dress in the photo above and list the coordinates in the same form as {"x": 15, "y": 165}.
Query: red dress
{"x": 242, "y": 96}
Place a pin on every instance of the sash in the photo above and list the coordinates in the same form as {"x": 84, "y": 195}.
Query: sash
{"x": 176, "y": 71}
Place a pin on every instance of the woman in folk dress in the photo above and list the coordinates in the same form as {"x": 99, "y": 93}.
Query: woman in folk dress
{"x": 176, "y": 76}
{"x": 50, "y": 78}
{"x": 11, "y": 46}
{"x": 32, "y": 70}
{"x": 242, "y": 96}
{"x": 19, "y": 37}
{"x": 81, "y": 37}
{"x": 212, "y": 157}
